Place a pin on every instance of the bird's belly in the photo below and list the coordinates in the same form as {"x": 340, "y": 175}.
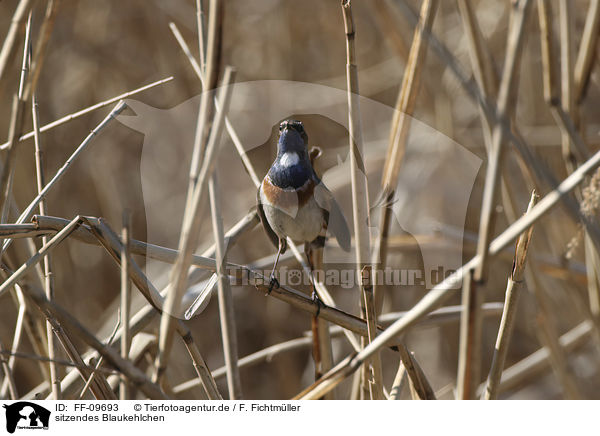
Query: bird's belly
{"x": 305, "y": 225}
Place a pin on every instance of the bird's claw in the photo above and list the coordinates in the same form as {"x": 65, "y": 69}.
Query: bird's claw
{"x": 317, "y": 300}
{"x": 273, "y": 283}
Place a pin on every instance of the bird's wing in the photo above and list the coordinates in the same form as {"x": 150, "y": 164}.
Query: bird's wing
{"x": 263, "y": 219}
{"x": 336, "y": 223}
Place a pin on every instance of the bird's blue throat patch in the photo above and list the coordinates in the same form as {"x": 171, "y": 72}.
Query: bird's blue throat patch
{"x": 293, "y": 176}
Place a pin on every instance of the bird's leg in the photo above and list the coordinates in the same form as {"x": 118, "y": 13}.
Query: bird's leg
{"x": 273, "y": 282}
{"x": 315, "y": 296}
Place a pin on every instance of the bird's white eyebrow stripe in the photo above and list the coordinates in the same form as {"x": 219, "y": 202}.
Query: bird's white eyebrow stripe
{"x": 289, "y": 159}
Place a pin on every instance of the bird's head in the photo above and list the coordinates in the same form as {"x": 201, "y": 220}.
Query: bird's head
{"x": 292, "y": 138}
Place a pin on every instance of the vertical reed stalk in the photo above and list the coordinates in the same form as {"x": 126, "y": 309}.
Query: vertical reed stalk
{"x": 124, "y": 393}
{"x": 470, "y": 334}
{"x": 400, "y": 127}
{"x": 16, "y": 125}
{"x": 200, "y": 170}
{"x": 226, "y": 309}
{"x": 513, "y": 289}
{"x": 360, "y": 200}
{"x": 587, "y": 51}
{"x": 48, "y": 275}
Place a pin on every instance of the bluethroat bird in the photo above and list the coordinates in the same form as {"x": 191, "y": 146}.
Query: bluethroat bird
{"x": 294, "y": 203}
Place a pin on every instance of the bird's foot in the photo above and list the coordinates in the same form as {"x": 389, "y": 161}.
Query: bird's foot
{"x": 317, "y": 300}
{"x": 273, "y": 283}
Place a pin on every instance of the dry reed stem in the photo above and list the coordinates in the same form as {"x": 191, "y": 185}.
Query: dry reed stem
{"x": 39, "y": 53}
{"x": 321, "y": 290}
{"x": 8, "y": 376}
{"x": 587, "y": 51}
{"x": 407, "y": 96}
{"x": 419, "y": 384}
{"x": 360, "y": 202}
{"x": 322, "y": 351}
{"x": 389, "y": 29}
{"x": 535, "y": 363}
{"x": 472, "y": 300}
{"x": 124, "y": 392}
{"x": 469, "y": 346}
{"x": 99, "y": 377}
{"x": 15, "y": 127}
{"x": 230, "y": 129}
{"x": 194, "y": 209}
{"x": 482, "y": 63}
{"x": 82, "y": 112}
{"x": 142, "y": 345}
{"x": 19, "y": 324}
{"x": 211, "y": 74}
{"x": 28, "y": 212}
{"x": 226, "y": 309}
{"x": 37, "y": 257}
{"x": 322, "y": 344}
{"x": 329, "y": 380}
{"x": 566, "y": 75}
{"x": 201, "y": 28}
{"x": 593, "y": 278}
{"x": 544, "y": 321}
{"x": 481, "y": 60}
{"x": 10, "y": 42}
{"x": 33, "y": 328}
{"x": 513, "y": 289}
{"x": 469, "y": 349}
{"x": 399, "y": 382}
{"x": 98, "y": 387}
{"x": 195, "y": 275}
{"x": 548, "y": 336}
{"x": 201, "y": 162}
{"x": 100, "y": 360}
{"x": 264, "y": 355}
{"x": 549, "y": 69}
{"x": 506, "y": 89}
{"x": 400, "y": 124}
{"x": 469, "y": 367}
{"x": 48, "y": 275}
{"x": 43, "y": 359}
